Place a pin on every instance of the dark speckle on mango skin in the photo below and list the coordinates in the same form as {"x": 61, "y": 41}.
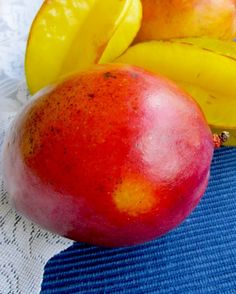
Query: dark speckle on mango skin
{"x": 91, "y": 95}
{"x": 75, "y": 152}
{"x": 134, "y": 75}
{"x": 108, "y": 75}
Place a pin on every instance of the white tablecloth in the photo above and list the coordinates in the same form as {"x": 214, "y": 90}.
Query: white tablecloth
{"x": 24, "y": 247}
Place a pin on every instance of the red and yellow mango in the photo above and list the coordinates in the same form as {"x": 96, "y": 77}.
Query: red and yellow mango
{"x": 113, "y": 156}
{"x": 168, "y": 19}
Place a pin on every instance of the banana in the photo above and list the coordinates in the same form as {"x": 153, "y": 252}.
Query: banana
{"x": 205, "y": 68}
{"x": 69, "y": 36}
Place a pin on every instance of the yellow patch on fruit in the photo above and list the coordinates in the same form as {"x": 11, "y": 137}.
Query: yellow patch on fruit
{"x": 68, "y": 36}
{"x": 134, "y": 197}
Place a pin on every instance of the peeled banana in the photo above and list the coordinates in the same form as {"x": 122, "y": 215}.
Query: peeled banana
{"x": 205, "y": 68}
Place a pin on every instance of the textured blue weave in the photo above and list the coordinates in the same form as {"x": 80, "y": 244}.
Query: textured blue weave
{"x": 198, "y": 257}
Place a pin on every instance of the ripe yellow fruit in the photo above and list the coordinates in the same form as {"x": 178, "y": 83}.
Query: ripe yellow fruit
{"x": 69, "y": 36}
{"x": 205, "y": 68}
{"x": 168, "y": 19}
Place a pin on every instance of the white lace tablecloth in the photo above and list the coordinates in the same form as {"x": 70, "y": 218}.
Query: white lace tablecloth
{"x": 24, "y": 247}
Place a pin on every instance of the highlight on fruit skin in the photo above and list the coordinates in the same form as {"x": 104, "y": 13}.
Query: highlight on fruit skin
{"x": 68, "y": 36}
{"x": 205, "y": 68}
{"x": 114, "y": 156}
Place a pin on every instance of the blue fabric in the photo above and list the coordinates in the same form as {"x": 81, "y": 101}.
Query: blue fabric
{"x": 198, "y": 257}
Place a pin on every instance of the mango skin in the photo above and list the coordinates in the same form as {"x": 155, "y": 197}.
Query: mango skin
{"x": 114, "y": 156}
{"x": 168, "y": 19}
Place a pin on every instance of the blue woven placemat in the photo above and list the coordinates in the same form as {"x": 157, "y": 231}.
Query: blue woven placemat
{"x": 198, "y": 257}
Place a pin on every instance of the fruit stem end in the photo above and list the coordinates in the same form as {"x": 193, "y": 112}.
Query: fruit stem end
{"x": 220, "y": 139}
